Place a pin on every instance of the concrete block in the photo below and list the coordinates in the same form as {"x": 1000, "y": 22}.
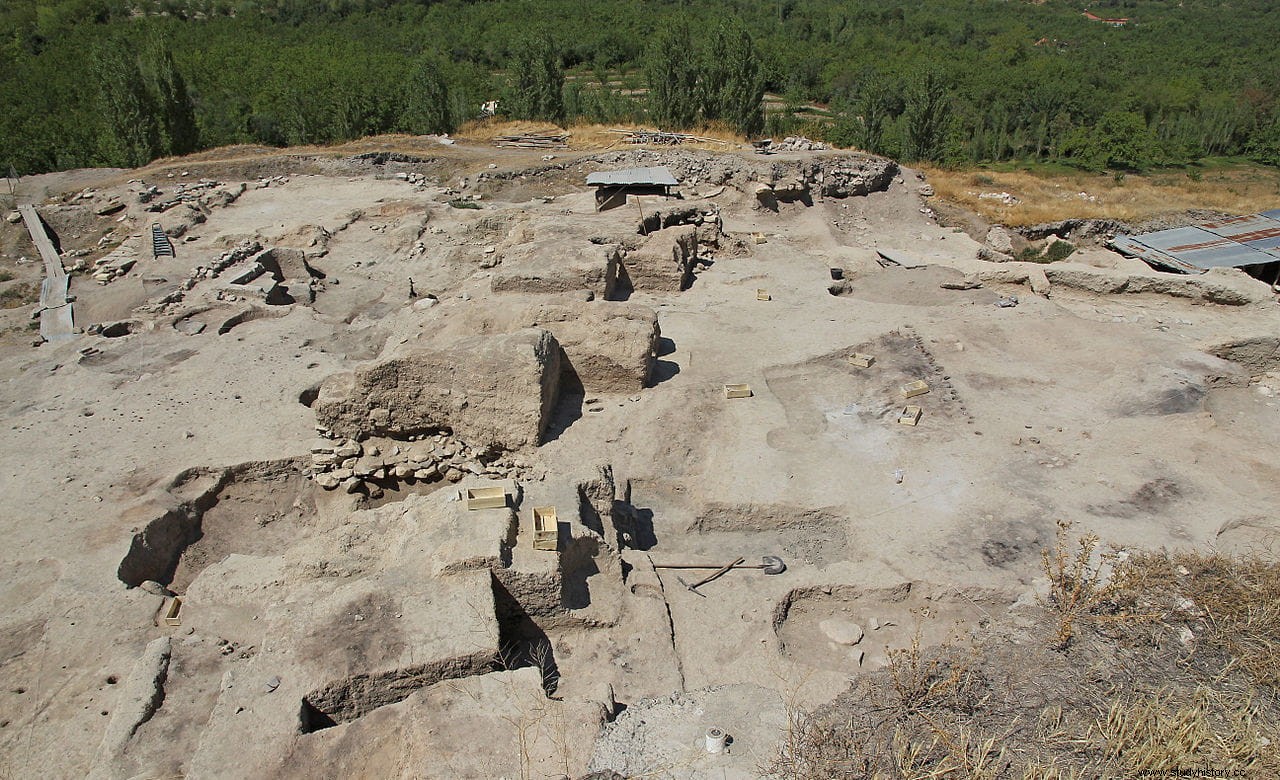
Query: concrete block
{"x": 913, "y": 389}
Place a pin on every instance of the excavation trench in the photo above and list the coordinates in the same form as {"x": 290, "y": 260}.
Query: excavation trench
{"x": 256, "y": 508}
{"x": 521, "y": 643}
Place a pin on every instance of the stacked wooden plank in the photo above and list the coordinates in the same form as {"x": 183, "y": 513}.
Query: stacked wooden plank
{"x": 532, "y": 141}
{"x": 661, "y": 138}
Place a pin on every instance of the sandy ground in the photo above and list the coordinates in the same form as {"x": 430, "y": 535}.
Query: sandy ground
{"x": 1106, "y": 410}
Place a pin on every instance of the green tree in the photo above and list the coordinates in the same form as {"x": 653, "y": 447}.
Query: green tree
{"x": 713, "y": 80}
{"x": 428, "y": 107}
{"x": 1264, "y": 144}
{"x": 537, "y": 80}
{"x": 1120, "y": 141}
{"x": 876, "y": 105}
{"x": 175, "y": 111}
{"x": 927, "y": 116}
{"x": 129, "y": 134}
{"x": 741, "y": 96}
{"x": 671, "y": 68}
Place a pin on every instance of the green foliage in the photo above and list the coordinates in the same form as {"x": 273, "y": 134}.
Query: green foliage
{"x": 458, "y": 203}
{"x": 428, "y": 107}
{"x": 1033, "y": 82}
{"x": 130, "y": 129}
{"x": 1264, "y": 145}
{"x": 866, "y": 112}
{"x": 174, "y": 109}
{"x": 1120, "y": 140}
{"x": 671, "y": 69}
{"x": 537, "y": 80}
{"x": 926, "y": 117}
{"x": 731, "y": 85}
{"x": 1055, "y": 252}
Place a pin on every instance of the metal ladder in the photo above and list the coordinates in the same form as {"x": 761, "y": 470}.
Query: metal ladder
{"x": 160, "y": 243}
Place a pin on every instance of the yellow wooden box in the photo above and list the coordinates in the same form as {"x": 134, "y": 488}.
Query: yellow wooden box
{"x": 546, "y": 531}
{"x": 910, "y": 415}
{"x": 759, "y": 238}
{"x": 913, "y": 389}
{"x": 172, "y": 615}
{"x": 737, "y": 391}
{"x": 486, "y": 497}
{"x": 763, "y": 295}
{"x": 862, "y": 361}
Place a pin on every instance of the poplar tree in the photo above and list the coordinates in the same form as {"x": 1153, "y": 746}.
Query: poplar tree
{"x": 175, "y": 111}
{"x": 537, "y": 80}
{"x": 742, "y": 98}
{"x": 428, "y": 105}
{"x": 129, "y": 135}
{"x": 671, "y": 68}
{"x": 927, "y": 116}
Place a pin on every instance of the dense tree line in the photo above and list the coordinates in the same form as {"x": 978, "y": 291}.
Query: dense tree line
{"x": 97, "y": 82}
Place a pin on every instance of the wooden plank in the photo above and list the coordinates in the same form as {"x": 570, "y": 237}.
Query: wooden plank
{"x": 52, "y": 262}
{"x": 56, "y": 322}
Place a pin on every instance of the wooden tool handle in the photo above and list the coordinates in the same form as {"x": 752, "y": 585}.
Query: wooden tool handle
{"x": 718, "y": 572}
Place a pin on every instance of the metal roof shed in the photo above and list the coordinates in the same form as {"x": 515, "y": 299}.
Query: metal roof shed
{"x": 634, "y": 177}
{"x": 1250, "y": 242}
{"x": 612, "y": 187}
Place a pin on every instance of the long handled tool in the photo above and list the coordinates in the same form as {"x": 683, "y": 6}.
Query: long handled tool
{"x": 771, "y": 564}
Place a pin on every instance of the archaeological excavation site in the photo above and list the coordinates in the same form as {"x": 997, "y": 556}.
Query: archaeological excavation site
{"x": 434, "y": 460}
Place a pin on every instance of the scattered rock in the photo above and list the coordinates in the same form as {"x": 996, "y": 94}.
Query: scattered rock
{"x": 991, "y": 256}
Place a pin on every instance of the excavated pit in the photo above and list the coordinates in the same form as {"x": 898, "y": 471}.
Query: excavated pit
{"x": 251, "y": 508}
{"x": 817, "y": 536}
{"x": 353, "y": 697}
{"x": 809, "y": 620}
{"x": 521, "y": 643}
{"x": 857, "y": 409}
{"x": 123, "y": 328}
{"x": 248, "y": 315}
{"x": 1258, "y": 354}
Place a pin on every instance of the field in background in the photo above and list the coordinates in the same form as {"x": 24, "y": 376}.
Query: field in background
{"x": 1048, "y": 195}
{"x": 591, "y": 137}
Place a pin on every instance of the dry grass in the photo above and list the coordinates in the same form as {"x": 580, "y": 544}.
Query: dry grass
{"x": 1231, "y": 605}
{"x": 1080, "y": 585}
{"x": 1165, "y": 732}
{"x": 1130, "y": 694}
{"x": 1049, "y": 197}
{"x": 591, "y": 137}
{"x": 922, "y": 681}
{"x": 19, "y": 294}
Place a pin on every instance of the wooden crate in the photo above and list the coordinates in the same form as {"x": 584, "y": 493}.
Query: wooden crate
{"x": 913, "y": 389}
{"x": 763, "y": 295}
{"x": 862, "y": 361}
{"x": 172, "y": 615}
{"x": 546, "y": 529}
{"x": 910, "y": 415}
{"x": 737, "y": 391}
{"x": 759, "y": 238}
{"x": 486, "y": 497}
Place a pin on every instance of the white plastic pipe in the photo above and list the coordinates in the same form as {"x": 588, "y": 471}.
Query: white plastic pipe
{"x": 715, "y": 740}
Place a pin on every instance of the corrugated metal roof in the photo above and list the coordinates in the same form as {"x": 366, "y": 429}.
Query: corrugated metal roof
{"x": 642, "y": 177}
{"x": 1253, "y": 239}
